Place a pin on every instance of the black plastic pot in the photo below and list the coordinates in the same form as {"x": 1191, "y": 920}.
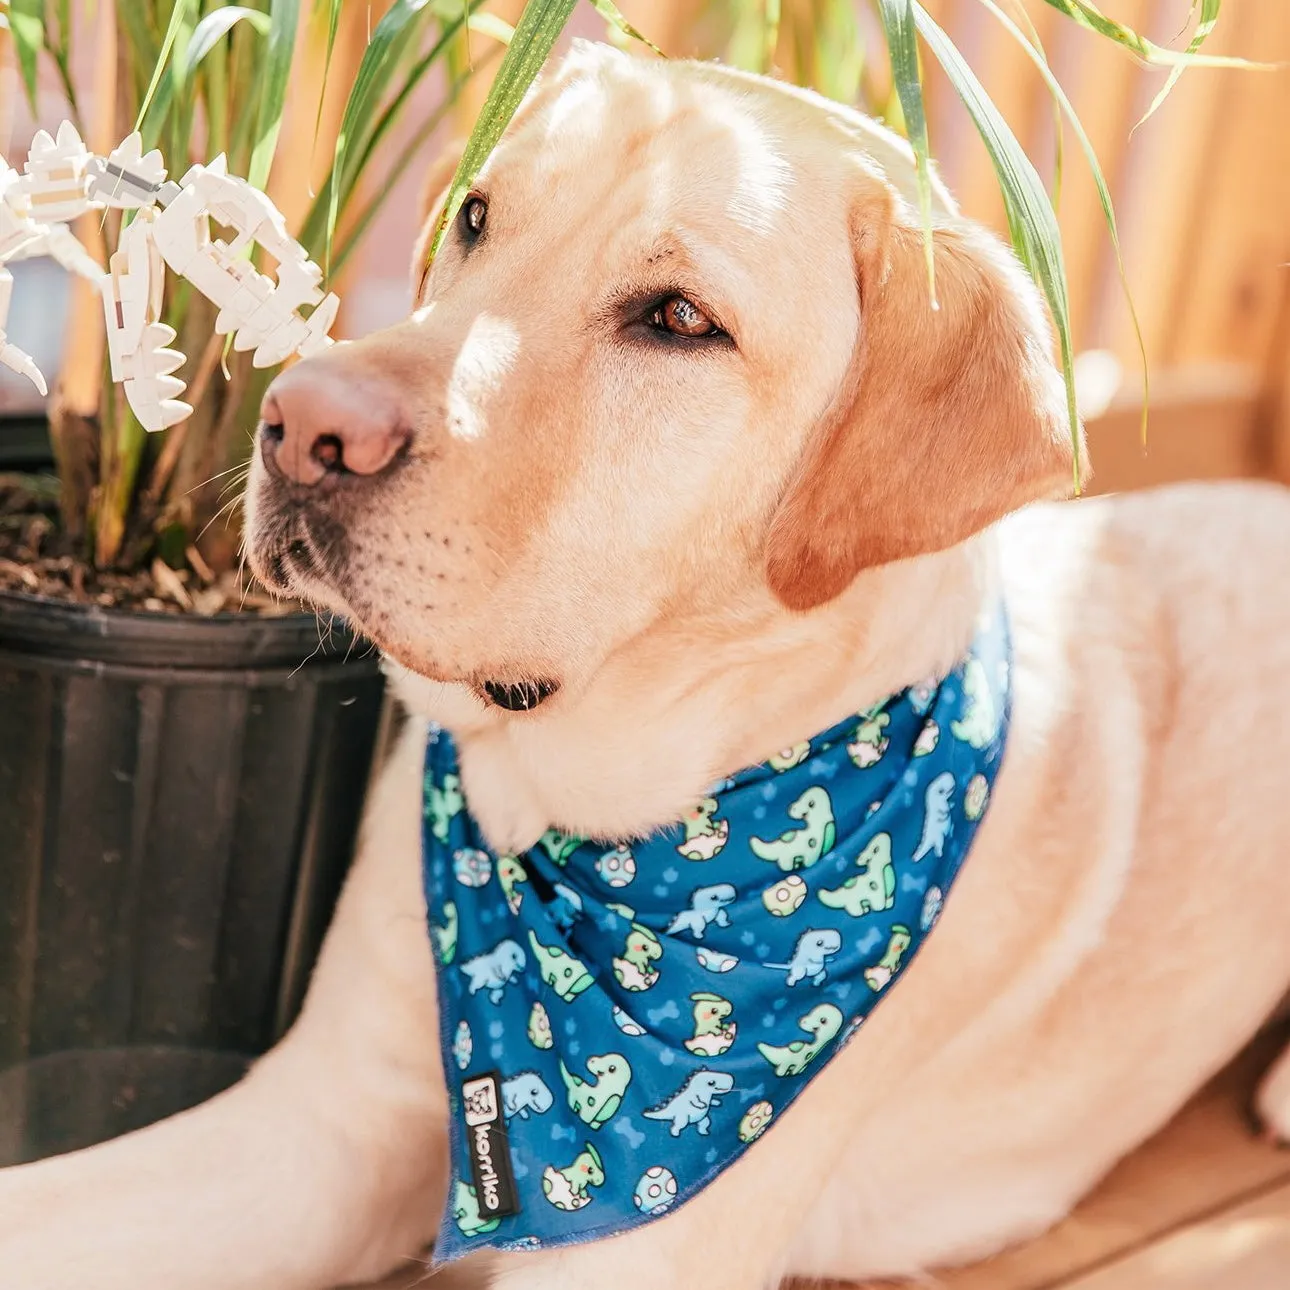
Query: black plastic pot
{"x": 179, "y": 799}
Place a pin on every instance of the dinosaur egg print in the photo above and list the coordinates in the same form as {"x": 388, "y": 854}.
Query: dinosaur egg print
{"x": 931, "y": 907}
{"x": 540, "y": 1027}
{"x": 789, "y": 757}
{"x": 714, "y": 960}
{"x": 656, "y": 1190}
{"x": 755, "y": 1120}
{"x": 627, "y": 1025}
{"x": 617, "y": 868}
{"x": 928, "y": 737}
{"x": 471, "y": 867}
{"x": 785, "y": 897}
{"x": 462, "y": 1046}
{"x": 976, "y": 797}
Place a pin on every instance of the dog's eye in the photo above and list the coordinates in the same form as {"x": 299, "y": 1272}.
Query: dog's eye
{"x": 682, "y": 317}
{"x": 474, "y": 215}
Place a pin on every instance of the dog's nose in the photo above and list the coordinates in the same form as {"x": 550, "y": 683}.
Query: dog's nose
{"x": 319, "y": 419}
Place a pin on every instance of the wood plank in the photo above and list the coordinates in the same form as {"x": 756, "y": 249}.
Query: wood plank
{"x": 1207, "y": 1158}
{"x": 1274, "y": 416}
{"x": 1204, "y": 425}
{"x": 1103, "y": 84}
{"x": 1245, "y": 1248}
{"x": 1166, "y": 176}
{"x": 1234, "y": 269}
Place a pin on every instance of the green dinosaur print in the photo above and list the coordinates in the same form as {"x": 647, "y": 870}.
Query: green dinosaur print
{"x": 822, "y": 1023}
{"x": 560, "y": 970}
{"x": 512, "y": 876}
{"x": 567, "y": 1188}
{"x": 445, "y": 937}
{"x": 980, "y": 724}
{"x": 801, "y": 848}
{"x": 705, "y": 835}
{"x": 559, "y": 846}
{"x": 443, "y": 802}
{"x": 881, "y": 973}
{"x": 634, "y": 969}
{"x": 595, "y": 1102}
{"x": 712, "y": 1034}
{"x": 465, "y": 1212}
{"x": 873, "y": 889}
{"x": 870, "y": 741}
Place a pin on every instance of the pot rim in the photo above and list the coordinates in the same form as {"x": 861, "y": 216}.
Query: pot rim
{"x": 58, "y": 629}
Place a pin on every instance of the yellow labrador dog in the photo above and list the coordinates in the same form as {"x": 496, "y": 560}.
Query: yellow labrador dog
{"x": 674, "y": 466}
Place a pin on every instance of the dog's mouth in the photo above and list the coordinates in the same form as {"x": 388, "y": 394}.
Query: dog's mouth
{"x": 293, "y": 556}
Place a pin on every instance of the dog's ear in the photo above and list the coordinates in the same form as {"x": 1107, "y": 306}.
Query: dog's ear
{"x": 434, "y": 192}
{"x": 948, "y": 419}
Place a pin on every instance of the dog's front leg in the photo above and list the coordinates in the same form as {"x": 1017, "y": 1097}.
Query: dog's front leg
{"x": 324, "y": 1166}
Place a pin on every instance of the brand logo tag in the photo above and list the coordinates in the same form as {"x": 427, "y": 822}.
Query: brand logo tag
{"x": 490, "y": 1154}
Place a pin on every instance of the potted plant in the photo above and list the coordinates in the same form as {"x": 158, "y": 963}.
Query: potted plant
{"x": 182, "y": 760}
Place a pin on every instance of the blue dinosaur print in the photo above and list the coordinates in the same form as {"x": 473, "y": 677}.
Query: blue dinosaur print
{"x": 565, "y": 909}
{"x": 707, "y": 906}
{"x": 811, "y": 955}
{"x": 694, "y": 1101}
{"x": 937, "y": 825}
{"x": 526, "y": 1092}
{"x": 495, "y": 970}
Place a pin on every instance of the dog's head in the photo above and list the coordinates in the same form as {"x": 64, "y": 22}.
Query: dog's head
{"x": 675, "y": 359}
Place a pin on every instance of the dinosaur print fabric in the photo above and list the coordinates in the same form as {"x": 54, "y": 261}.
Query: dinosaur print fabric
{"x": 649, "y": 1009}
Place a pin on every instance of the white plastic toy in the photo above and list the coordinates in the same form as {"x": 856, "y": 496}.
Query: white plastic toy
{"x": 171, "y": 229}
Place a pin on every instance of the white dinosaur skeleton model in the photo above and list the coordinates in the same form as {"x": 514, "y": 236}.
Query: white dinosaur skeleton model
{"x": 170, "y": 228}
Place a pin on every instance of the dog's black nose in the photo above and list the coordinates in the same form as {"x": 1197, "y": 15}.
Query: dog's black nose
{"x": 317, "y": 420}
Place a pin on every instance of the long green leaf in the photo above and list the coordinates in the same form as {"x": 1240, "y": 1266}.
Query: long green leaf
{"x": 183, "y": 66}
{"x": 1103, "y": 191}
{"x": 840, "y": 50}
{"x": 180, "y": 15}
{"x": 611, "y": 13}
{"x": 354, "y": 161}
{"x": 902, "y": 45}
{"x": 1017, "y": 11}
{"x": 1209, "y": 10}
{"x": 1031, "y": 218}
{"x": 213, "y": 28}
{"x": 409, "y": 153}
{"x": 27, "y": 26}
{"x": 61, "y": 50}
{"x": 536, "y": 32}
{"x": 772, "y": 17}
{"x": 283, "y": 18}
{"x": 1089, "y": 15}
{"x": 399, "y": 28}
{"x": 333, "y": 23}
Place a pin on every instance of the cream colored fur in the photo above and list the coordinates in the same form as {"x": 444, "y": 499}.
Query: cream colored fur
{"x": 1121, "y": 927}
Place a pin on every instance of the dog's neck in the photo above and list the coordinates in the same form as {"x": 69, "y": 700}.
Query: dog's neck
{"x": 690, "y": 700}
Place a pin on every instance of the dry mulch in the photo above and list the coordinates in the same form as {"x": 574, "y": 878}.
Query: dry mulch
{"x": 36, "y": 558}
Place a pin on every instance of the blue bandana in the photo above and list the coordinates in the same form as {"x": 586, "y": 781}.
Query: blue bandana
{"x": 620, "y": 1023}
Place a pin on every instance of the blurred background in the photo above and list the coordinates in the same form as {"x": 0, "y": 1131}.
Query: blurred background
{"x": 1202, "y": 191}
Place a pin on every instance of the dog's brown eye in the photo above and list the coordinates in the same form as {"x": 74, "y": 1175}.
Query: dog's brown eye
{"x": 474, "y": 214}
{"x": 683, "y": 317}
